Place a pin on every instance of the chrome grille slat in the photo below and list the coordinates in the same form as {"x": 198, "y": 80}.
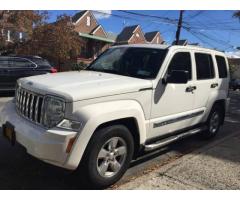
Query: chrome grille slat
{"x": 20, "y": 99}
{"x": 23, "y": 102}
{"x": 29, "y": 104}
{"x": 31, "y": 107}
{"x": 41, "y": 117}
{"x": 36, "y": 109}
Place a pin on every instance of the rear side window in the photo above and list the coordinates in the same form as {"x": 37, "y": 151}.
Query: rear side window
{"x": 222, "y": 66}
{"x": 181, "y": 61}
{"x": 20, "y": 63}
{"x": 204, "y": 65}
{"x": 41, "y": 62}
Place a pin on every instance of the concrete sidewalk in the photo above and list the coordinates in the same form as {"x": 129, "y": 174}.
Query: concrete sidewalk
{"x": 215, "y": 166}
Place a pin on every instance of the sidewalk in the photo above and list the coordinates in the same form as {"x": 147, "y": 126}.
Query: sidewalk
{"x": 215, "y": 166}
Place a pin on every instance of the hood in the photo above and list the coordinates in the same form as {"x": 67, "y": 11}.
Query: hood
{"x": 74, "y": 86}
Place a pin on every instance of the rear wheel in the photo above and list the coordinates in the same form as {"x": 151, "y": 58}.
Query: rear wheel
{"x": 214, "y": 122}
{"x": 108, "y": 155}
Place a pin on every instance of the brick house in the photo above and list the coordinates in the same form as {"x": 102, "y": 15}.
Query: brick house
{"x": 94, "y": 39}
{"x": 8, "y": 33}
{"x": 131, "y": 35}
{"x": 153, "y": 37}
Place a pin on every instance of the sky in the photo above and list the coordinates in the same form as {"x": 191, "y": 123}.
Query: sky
{"x": 212, "y": 29}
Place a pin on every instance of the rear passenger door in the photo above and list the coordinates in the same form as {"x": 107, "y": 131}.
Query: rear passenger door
{"x": 206, "y": 81}
{"x": 223, "y": 74}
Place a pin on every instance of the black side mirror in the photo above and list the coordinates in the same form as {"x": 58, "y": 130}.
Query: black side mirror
{"x": 178, "y": 77}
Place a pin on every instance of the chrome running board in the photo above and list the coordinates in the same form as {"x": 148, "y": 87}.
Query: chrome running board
{"x": 171, "y": 139}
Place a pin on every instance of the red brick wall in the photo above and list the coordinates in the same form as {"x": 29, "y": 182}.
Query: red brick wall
{"x": 82, "y": 27}
{"x": 135, "y": 39}
{"x": 160, "y": 40}
{"x": 100, "y": 32}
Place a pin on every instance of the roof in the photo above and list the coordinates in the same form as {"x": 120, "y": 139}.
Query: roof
{"x": 78, "y": 15}
{"x": 126, "y": 33}
{"x": 150, "y": 35}
{"x": 96, "y": 28}
{"x": 157, "y": 46}
{"x": 173, "y": 47}
{"x": 96, "y": 37}
{"x": 181, "y": 42}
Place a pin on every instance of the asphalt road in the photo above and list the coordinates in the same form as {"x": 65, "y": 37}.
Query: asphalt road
{"x": 18, "y": 170}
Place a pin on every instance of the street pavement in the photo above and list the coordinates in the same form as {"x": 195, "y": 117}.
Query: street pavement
{"x": 213, "y": 166}
{"x": 188, "y": 164}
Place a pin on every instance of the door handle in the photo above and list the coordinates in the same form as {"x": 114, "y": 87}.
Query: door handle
{"x": 214, "y": 85}
{"x": 190, "y": 88}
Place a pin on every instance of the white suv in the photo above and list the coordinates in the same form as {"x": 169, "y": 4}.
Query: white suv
{"x": 132, "y": 98}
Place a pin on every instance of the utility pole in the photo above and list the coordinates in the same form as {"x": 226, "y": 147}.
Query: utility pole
{"x": 179, "y": 27}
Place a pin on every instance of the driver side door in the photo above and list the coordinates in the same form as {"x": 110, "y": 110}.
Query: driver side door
{"x": 172, "y": 103}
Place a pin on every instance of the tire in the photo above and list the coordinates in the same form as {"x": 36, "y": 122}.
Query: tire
{"x": 108, "y": 145}
{"x": 214, "y": 122}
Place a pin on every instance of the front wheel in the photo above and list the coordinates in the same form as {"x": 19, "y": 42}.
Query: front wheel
{"x": 108, "y": 155}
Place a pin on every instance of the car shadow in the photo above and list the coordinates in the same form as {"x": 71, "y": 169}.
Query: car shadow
{"x": 7, "y": 94}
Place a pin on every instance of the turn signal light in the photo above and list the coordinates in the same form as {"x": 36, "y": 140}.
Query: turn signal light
{"x": 70, "y": 144}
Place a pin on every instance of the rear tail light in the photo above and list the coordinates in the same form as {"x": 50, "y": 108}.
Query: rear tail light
{"x": 53, "y": 70}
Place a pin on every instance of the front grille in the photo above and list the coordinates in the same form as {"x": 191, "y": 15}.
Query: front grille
{"x": 29, "y": 105}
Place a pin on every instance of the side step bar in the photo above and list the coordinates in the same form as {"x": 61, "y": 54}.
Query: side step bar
{"x": 164, "y": 142}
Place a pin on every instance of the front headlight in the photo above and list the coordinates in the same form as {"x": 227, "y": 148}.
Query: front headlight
{"x": 54, "y": 109}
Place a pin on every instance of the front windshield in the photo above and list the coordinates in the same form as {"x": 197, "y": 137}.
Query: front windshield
{"x": 128, "y": 61}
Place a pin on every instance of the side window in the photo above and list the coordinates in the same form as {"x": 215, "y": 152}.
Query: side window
{"x": 222, "y": 66}
{"x": 181, "y": 61}
{"x": 20, "y": 63}
{"x": 204, "y": 65}
{"x": 3, "y": 62}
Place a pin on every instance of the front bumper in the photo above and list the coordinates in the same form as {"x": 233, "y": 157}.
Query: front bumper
{"x": 47, "y": 145}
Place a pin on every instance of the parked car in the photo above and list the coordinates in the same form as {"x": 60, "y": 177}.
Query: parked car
{"x": 15, "y": 67}
{"x": 235, "y": 84}
{"x": 133, "y": 98}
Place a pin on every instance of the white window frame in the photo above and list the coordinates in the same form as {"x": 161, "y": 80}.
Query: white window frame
{"x": 8, "y": 36}
{"x": 88, "y": 21}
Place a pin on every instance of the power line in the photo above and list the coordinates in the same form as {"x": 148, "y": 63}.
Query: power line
{"x": 167, "y": 21}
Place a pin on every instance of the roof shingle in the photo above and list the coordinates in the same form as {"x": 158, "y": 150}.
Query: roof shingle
{"x": 126, "y": 33}
{"x": 150, "y": 35}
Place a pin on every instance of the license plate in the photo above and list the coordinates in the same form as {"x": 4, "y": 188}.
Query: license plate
{"x": 9, "y": 133}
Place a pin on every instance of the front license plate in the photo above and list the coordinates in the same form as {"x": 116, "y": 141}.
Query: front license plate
{"x": 9, "y": 133}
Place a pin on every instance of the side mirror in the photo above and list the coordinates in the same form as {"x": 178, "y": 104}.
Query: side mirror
{"x": 178, "y": 77}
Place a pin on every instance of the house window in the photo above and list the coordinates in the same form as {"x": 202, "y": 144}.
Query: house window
{"x": 137, "y": 34}
{"x": 8, "y": 36}
{"x": 20, "y": 36}
{"x": 88, "y": 21}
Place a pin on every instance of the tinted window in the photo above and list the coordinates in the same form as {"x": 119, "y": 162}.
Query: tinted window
{"x": 181, "y": 61}
{"x": 222, "y": 66}
{"x": 20, "y": 63}
{"x": 204, "y": 65}
{"x": 134, "y": 62}
{"x": 3, "y": 62}
{"x": 40, "y": 62}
